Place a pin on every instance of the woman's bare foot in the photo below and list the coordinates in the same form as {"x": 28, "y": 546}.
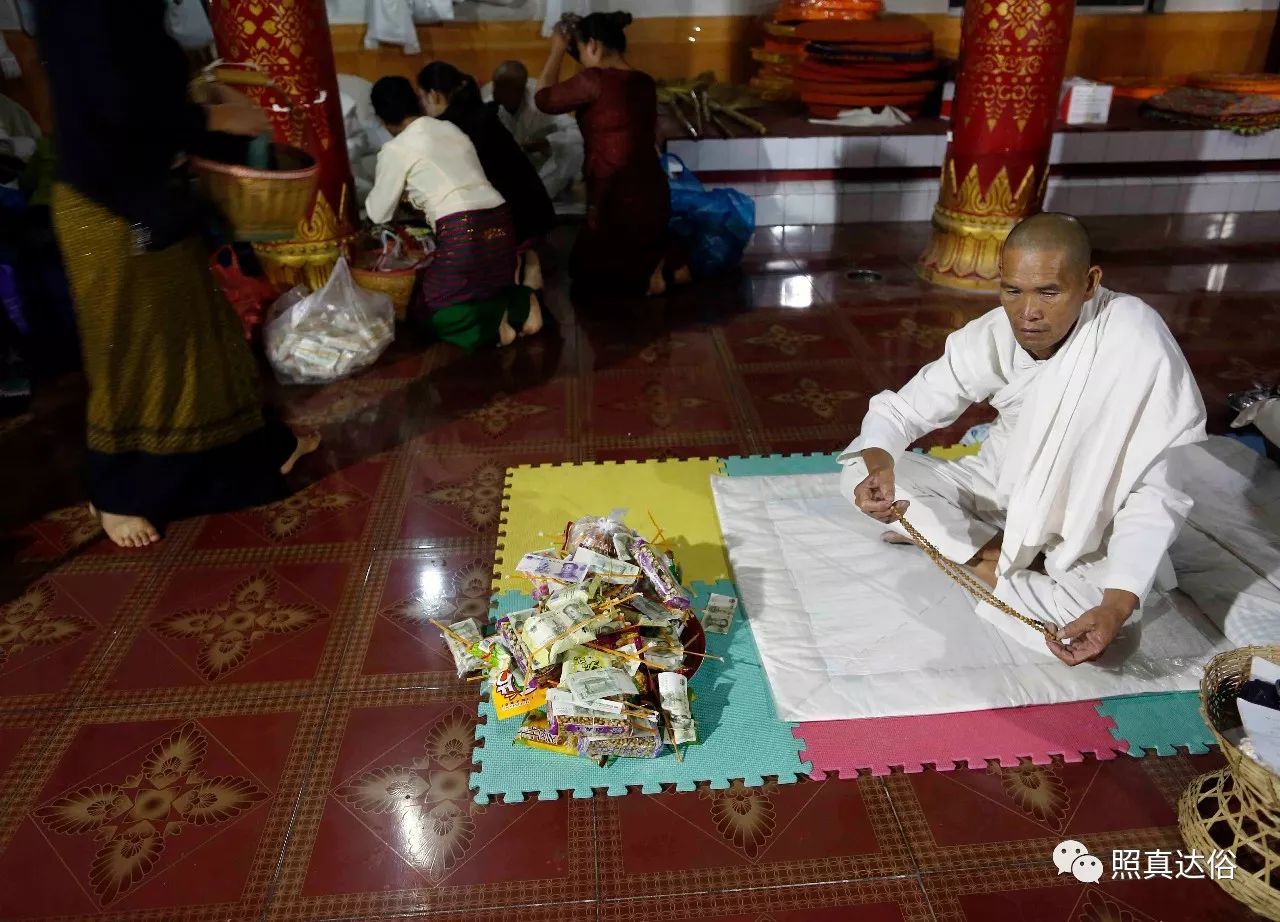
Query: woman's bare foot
{"x": 657, "y": 283}
{"x": 306, "y": 445}
{"x": 127, "y": 530}
{"x": 506, "y": 332}
{"x": 533, "y": 323}
{"x": 531, "y": 276}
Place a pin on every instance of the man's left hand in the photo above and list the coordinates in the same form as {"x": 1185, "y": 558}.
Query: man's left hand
{"x": 1090, "y": 634}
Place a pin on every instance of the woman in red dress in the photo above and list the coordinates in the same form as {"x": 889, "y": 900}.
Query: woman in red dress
{"x": 625, "y": 244}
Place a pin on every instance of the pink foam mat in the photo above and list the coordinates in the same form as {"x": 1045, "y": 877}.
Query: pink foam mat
{"x": 880, "y": 744}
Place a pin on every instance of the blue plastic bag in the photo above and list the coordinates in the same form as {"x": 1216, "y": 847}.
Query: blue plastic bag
{"x": 715, "y": 224}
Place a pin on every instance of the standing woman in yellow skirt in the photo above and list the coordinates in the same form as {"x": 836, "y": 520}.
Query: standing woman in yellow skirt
{"x": 176, "y": 426}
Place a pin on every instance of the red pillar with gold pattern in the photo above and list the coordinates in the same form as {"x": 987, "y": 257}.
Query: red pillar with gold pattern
{"x": 1012, "y": 57}
{"x": 287, "y": 43}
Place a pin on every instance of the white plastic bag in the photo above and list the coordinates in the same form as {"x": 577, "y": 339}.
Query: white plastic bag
{"x": 425, "y": 11}
{"x": 391, "y": 23}
{"x": 314, "y": 337}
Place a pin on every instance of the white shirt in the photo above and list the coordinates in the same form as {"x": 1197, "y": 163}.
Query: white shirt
{"x": 1119, "y": 435}
{"x": 529, "y": 125}
{"x": 435, "y": 165}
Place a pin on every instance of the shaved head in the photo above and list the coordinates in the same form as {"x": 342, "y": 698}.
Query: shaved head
{"x": 1049, "y": 231}
{"x": 513, "y": 71}
{"x": 1046, "y": 276}
{"x": 510, "y": 80}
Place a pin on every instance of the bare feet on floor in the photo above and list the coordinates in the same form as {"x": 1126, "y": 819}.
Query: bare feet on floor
{"x": 531, "y": 272}
{"x": 506, "y": 332}
{"x": 533, "y": 323}
{"x": 657, "y": 284}
{"x": 306, "y": 445}
{"x": 658, "y": 281}
{"x": 127, "y": 530}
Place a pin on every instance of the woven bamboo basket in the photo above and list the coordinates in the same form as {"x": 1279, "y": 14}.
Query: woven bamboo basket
{"x": 397, "y": 284}
{"x": 261, "y": 205}
{"x": 1236, "y": 809}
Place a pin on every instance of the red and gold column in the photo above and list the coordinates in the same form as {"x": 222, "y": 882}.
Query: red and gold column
{"x": 287, "y": 43}
{"x": 1012, "y": 57}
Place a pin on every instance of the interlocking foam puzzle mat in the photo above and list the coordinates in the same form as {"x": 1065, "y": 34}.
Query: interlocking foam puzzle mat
{"x": 539, "y": 501}
{"x": 741, "y": 737}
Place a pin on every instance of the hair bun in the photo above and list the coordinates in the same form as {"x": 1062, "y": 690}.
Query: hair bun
{"x": 622, "y": 18}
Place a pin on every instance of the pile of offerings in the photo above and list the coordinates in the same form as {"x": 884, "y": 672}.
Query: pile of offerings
{"x": 599, "y": 668}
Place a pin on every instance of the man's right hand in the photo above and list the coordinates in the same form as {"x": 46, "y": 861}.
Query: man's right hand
{"x": 875, "y": 495}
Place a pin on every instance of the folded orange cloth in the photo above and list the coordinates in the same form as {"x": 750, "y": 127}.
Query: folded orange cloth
{"x": 887, "y": 30}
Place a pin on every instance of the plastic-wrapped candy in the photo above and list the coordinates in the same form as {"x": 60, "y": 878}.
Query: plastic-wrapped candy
{"x": 659, "y": 575}
{"x": 464, "y": 660}
{"x": 595, "y": 534}
{"x": 642, "y": 742}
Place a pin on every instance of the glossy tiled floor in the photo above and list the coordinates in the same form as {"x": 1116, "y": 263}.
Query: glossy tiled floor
{"x": 246, "y": 722}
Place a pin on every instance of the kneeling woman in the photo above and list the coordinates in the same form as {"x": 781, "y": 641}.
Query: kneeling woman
{"x": 465, "y": 295}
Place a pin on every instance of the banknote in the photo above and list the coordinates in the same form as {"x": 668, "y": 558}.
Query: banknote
{"x": 542, "y": 567}
{"x": 717, "y": 617}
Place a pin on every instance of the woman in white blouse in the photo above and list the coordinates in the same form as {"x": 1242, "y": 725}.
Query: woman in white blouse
{"x": 466, "y": 295}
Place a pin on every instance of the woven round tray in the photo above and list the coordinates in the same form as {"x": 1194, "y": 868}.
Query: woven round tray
{"x": 1236, "y": 809}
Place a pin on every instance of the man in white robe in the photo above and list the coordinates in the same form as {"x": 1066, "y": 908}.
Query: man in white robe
{"x": 552, "y": 142}
{"x": 1068, "y": 511}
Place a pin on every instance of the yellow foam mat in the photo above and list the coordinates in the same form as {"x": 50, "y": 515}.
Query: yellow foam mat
{"x": 539, "y": 501}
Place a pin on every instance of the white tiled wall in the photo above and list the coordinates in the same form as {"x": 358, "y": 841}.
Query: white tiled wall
{"x": 830, "y": 202}
{"x": 831, "y": 153}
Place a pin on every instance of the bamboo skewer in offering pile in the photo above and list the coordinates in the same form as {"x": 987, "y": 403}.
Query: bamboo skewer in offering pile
{"x": 599, "y": 667}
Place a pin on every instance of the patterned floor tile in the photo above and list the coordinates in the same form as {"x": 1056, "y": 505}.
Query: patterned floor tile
{"x": 1039, "y": 893}
{"x": 52, "y": 636}
{"x": 892, "y": 899}
{"x": 272, "y": 626}
{"x": 825, "y": 398}
{"x": 765, "y": 338}
{"x": 166, "y": 816}
{"x": 394, "y": 641}
{"x": 392, "y": 827}
{"x": 777, "y": 835}
{"x": 334, "y": 510}
{"x": 672, "y": 401}
{"x": 991, "y": 816}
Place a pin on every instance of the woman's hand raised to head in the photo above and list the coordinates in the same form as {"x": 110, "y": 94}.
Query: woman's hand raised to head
{"x": 561, "y": 37}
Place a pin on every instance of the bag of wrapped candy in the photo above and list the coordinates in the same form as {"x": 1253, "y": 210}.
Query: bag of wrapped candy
{"x": 320, "y": 336}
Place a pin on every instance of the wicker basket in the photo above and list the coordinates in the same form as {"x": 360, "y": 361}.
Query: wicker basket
{"x": 1236, "y": 809}
{"x": 261, "y": 205}
{"x": 396, "y": 284}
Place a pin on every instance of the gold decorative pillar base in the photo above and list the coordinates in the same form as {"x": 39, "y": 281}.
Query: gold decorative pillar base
{"x": 1012, "y": 57}
{"x": 310, "y": 257}
{"x": 969, "y": 227}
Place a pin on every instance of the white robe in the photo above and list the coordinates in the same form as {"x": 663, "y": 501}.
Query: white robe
{"x": 1079, "y": 465}
{"x": 562, "y": 166}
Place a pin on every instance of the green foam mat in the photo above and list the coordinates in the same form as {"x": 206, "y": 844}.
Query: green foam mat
{"x": 741, "y": 735}
{"x": 1160, "y": 721}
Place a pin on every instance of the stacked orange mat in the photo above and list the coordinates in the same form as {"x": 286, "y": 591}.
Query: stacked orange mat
{"x": 850, "y": 63}
{"x": 777, "y": 57}
{"x": 1245, "y": 84}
